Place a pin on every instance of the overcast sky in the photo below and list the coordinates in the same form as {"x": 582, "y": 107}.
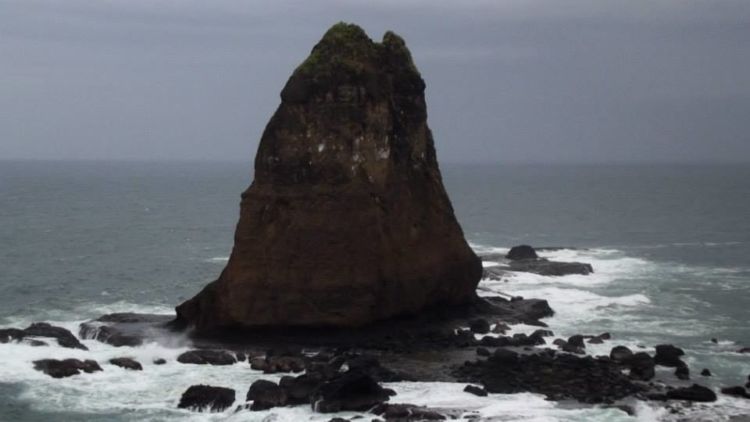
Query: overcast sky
{"x": 507, "y": 80}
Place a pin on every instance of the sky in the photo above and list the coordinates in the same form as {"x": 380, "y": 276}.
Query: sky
{"x": 544, "y": 81}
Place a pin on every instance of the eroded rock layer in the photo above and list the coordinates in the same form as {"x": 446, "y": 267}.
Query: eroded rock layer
{"x": 347, "y": 221}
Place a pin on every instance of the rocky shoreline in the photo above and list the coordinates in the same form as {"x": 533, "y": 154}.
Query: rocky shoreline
{"x": 342, "y": 370}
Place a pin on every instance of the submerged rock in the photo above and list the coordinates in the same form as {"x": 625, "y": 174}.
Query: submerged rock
{"x": 202, "y": 397}
{"x": 66, "y": 367}
{"x": 347, "y": 221}
{"x": 207, "y": 357}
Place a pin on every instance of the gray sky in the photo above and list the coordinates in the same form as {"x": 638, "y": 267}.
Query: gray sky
{"x": 507, "y": 80}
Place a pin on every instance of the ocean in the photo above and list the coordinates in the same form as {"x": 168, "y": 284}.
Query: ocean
{"x": 670, "y": 247}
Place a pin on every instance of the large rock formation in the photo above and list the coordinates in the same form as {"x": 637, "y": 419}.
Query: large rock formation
{"x": 347, "y": 221}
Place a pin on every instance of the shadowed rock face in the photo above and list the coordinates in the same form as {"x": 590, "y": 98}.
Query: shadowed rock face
{"x": 347, "y": 221}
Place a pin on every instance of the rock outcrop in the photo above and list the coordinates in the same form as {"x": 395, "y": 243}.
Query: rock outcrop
{"x": 347, "y": 221}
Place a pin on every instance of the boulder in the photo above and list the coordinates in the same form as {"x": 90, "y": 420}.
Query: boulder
{"x": 207, "y": 357}
{"x": 695, "y": 392}
{"x": 521, "y": 252}
{"x": 576, "y": 341}
{"x": 299, "y": 389}
{"x": 668, "y": 355}
{"x": 682, "y": 372}
{"x": 479, "y": 326}
{"x": 351, "y": 391}
{"x": 642, "y": 366}
{"x": 346, "y": 221}
{"x": 477, "y": 391}
{"x": 706, "y": 372}
{"x": 66, "y": 367}
{"x": 202, "y": 397}
{"x": 41, "y": 329}
{"x": 620, "y": 354}
{"x": 266, "y": 395}
{"x": 737, "y": 391}
{"x": 127, "y": 363}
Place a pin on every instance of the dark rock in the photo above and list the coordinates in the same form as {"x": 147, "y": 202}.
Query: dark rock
{"x": 477, "y": 391}
{"x": 682, "y": 372}
{"x": 36, "y": 343}
{"x": 407, "y": 413}
{"x": 695, "y": 392}
{"x": 66, "y": 368}
{"x": 744, "y": 350}
{"x": 542, "y": 333}
{"x": 521, "y": 252}
{"x": 201, "y": 397}
{"x": 259, "y": 363}
{"x": 642, "y": 366}
{"x": 350, "y": 391}
{"x": 550, "y": 268}
{"x": 299, "y": 389}
{"x": 42, "y": 329}
{"x": 505, "y": 356}
{"x": 338, "y": 420}
{"x": 241, "y": 357}
{"x": 265, "y": 395}
{"x": 123, "y": 329}
{"x": 714, "y": 340}
{"x": 207, "y": 357}
{"x": 479, "y": 326}
{"x": 738, "y": 391}
{"x": 706, "y": 372}
{"x": 577, "y": 341}
{"x": 668, "y": 355}
{"x": 127, "y": 363}
{"x": 347, "y": 221}
{"x": 481, "y": 351}
{"x": 558, "y": 376}
{"x": 500, "y": 327}
{"x": 489, "y": 341}
{"x": 596, "y": 340}
{"x": 559, "y": 342}
{"x": 567, "y": 347}
{"x": 620, "y": 354}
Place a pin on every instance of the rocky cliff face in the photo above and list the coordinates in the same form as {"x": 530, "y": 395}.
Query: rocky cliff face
{"x": 347, "y": 221}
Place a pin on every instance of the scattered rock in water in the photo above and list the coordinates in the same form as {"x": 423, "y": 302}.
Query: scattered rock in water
{"x": 558, "y": 376}
{"x": 266, "y": 395}
{"x": 350, "y": 391}
{"x": 207, "y": 357}
{"x": 620, "y": 354}
{"x": 202, "y": 397}
{"x": 521, "y": 252}
{"x": 668, "y": 355}
{"x": 642, "y": 366}
{"x": 550, "y": 268}
{"x": 706, "y": 372}
{"x": 127, "y": 363}
{"x": 714, "y": 340}
{"x": 66, "y": 367}
{"x": 241, "y": 357}
{"x": 744, "y": 350}
{"x": 500, "y": 328}
{"x": 35, "y": 343}
{"x": 407, "y": 413}
{"x": 42, "y": 329}
{"x": 299, "y": 389}
{"x": 347, "y": 221}
{"x": 682, "y": 372}
{"x": 577, "y": 341}
{"x": 477, "y": 391}
{"x": 600, "y": 338}
{"x": 125, "y": 329}
{"x": 737, "y": 391}
{"x": 695, "y": 392}
{"x": 479, "y": 326}
{"x": 542, "y": 333}
{"x": 160, "y": 361}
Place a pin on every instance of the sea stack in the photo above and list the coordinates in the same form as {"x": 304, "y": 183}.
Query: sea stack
{"x": 347, "y": 221}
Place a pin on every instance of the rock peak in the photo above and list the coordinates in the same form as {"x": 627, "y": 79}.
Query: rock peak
{"x": 347, "y": 221}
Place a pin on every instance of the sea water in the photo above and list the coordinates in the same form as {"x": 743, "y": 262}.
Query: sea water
{"x": 669, "y": 245}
